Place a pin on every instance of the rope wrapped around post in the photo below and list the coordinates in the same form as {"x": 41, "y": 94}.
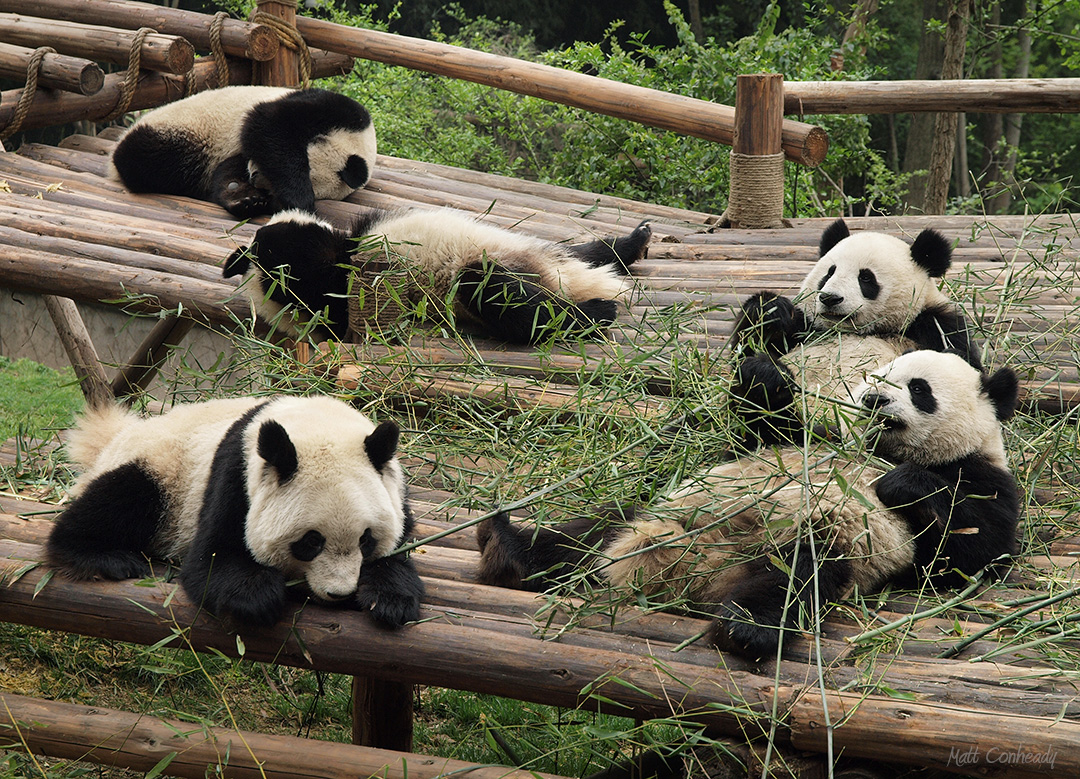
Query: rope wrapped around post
{"x": 291, "y": 39}
{"x": 756, "y": 196}
{"x": 26, "y": 99}
{"x": 131, "y": 76}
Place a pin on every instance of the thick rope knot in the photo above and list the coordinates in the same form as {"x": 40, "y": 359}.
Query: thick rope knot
{"x": 26, "y": 99}
{"x": 757, "y": 191}
{"x": 291, "y": 39}
{"x": 131, "y": 76}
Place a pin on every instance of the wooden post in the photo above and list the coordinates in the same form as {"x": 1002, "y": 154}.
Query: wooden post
{"x": 58, "y": 71}
{"x": 757, "y": 157}
{"x": 80, "y": 350}
{"x": 283, "y": 70}
{"x": 152, "y": 352}
{"x": 382, "y": 713}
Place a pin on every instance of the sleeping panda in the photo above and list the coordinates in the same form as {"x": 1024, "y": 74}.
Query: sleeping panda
{"x": 251, "y": 493}
{"x": 806, "y": 526}
{"x": 252, "y": 150}
{"x": 518, "y": 288}
{"x": 869, "y": 299}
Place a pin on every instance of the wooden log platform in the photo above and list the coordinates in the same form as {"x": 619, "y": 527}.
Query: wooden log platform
{"x": 71, "y": 231}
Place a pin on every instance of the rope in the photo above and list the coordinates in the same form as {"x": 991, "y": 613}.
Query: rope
{"x": 33, "y": 68}
{"x": 131, "y": 77}
{"x": 291, "y": 39}
{"x": 757, "y": 191}
{"x": 221, "y": 66}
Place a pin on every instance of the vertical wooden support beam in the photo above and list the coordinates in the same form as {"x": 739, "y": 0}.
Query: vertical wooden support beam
{"x": 136, "y": 376}
{"x": 382, "y": 713}
{"x": 80, "y": 350}
{"x": 284, "y": 69}
{"x": 757, "y": 158}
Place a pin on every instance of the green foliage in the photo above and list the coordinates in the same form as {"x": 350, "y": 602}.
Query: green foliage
{"x": 33, "y": 397}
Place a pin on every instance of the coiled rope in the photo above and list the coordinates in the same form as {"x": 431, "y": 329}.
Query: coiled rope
{"x": 131, "y": 77}
{"x": 26, "y": 99}
{"x": 291, "y": 39}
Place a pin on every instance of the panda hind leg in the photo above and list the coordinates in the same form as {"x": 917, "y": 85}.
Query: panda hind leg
{"x": 517, "y": 309}
{"x": 231, "y": 188}
{"x": 527, "y": 558}
{"x": 750, "y": 618}
{"x": 621, "y": 252}
{"x": 107, "y": 531}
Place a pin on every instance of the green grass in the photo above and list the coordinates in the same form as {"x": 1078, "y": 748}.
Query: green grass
{"x": 35, "y": 400}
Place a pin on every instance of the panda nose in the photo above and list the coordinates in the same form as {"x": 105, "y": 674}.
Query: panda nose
{"x": 873, "y": 400}
{"x": 829, "y": 299}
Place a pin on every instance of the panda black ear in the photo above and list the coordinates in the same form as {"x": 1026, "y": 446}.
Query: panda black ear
{"x": 238, "y": 262}
{"x": 382, "y": 444}
{"x": 932, "y": 251}
{"x": 834, "y": 234}
{"x": 1003, "y": 389}
{"x": 277, "y": 449}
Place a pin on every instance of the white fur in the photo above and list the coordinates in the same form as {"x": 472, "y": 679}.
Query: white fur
{"x": 328, "y": 154}
{"x": 906, "y": 288}
{"x": 336, "y": 490}
{"x": 964, "y": 423}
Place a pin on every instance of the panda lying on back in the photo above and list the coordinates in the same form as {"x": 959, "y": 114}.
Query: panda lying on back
{"x": 252, "y": 150}
{"x": 869, "y": 299}
{"x": 519, "y": 288}
{"x": 948, "y": 507}
{"x": 250, "y": 492}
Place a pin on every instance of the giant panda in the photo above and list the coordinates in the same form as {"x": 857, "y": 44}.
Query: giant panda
{"x": 869, "y": 298}
{"x": 516, "y": 287}
{"x": 804, "y": 526}
{"x": 253, "y": 150}
{"x": 249, "y": 493}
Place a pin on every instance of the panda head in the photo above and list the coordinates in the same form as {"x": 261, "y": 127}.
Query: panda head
{"x": 871, "y": 282}
{"x": 297, "y": 260}
{"x": 934, "y": 408}
{"x": 326, "y": 493}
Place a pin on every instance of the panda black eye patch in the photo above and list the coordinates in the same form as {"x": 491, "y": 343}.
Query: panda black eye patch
{"x": 827, "y": 276}
{"x": 922, "y": 396}
{"x": 308, "y": 547}
{"x": 367, "y": 544}
{"x": 868, "y": 284}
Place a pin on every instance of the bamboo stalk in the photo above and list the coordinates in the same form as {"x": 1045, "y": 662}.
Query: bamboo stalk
{"x": 238, "y": 38}
{"x": 58, "y": 71}
{"x": 988, "y": 96}
{"x": 164, "y": 53}
{"x": 802, "y": 143}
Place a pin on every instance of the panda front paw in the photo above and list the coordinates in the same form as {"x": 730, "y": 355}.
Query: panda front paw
{"x": 244, "y": 200}
{"x": 737, "y": 630}
{"x": 768, "y": 322}
{"x": 391, "y": 590}
{"x": 908, "y": 484}
{"x": 249, "y": 596}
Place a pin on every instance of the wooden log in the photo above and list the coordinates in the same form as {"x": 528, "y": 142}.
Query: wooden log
{"x": 382, "y": 713}
{"x": 140, "y": 742}
{"x": 238, "y": 38}
{"x": 93, "y": 281}
{"x": 987, "y": 96}
{"x": 58, "y": 71}
{"x": 80, "y": 350}
{"x": 803, "y": 143}
{"x": 154, "y": 89}
{"x": 283, "y": 70}
{"x": 164, "y": 53}
{"x": 758, "y": 114}
{"x": 931, "y": 734}
{"x": 756, "y": 198}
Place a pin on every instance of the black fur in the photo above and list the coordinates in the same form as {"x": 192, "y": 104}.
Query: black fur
{"x": 149, "y": 160}
{"x": 381, "y": 445}
{"x": 938, "y": 502}
{"x": 932, "y": 251}
{"x": 276, "y": 135}
{"x": 389, "y": 587}
{"x": 621, "y": 252}
{"x": 752, "y": 618}
{"x": 832, "y": 235}
{"x": 769, "y": 323}
{"x": 275, "y": 446}
{"x": 1003, "y": 389}
{"x": 763, "y": 400}
{"x": 108, "y": 530}
{"x": 219, "y": 572}
{"x": 533, "y": 559}
{"x": 943, "y": 329}
{"x": 518, "y": 310}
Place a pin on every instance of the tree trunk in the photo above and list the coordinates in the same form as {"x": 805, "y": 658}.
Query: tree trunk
{"x": 1012, "y": 123}
{"x": 945, "y": 124}
{"x": 994, "y": 127}
{"x": 696, "y": 25}
{"x": 921, "y": 131}
{"x": 864, "y": 9}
